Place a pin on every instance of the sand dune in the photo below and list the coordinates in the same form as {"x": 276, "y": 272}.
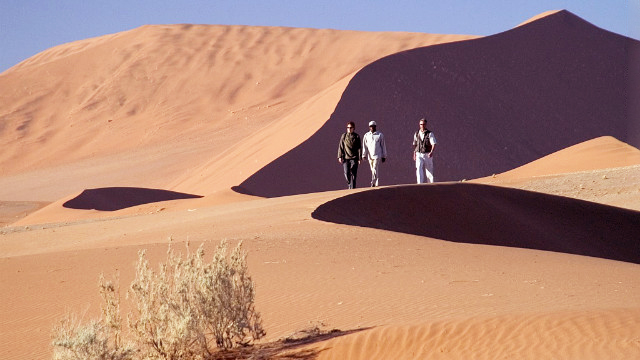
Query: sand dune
{"x": 151, "y": 106}
{"x": 493, "y": 216}
{"x": 531, "y": 336}
{"x": 494, "y": 103}
{"x": 602, "y": 170}
{"x": 600, "y": 153}
{"x": 118, "y": 143}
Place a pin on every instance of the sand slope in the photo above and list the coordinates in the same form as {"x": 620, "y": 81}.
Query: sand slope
{"x": 122, "y": 135}
{"x": 494, "y": 103}
{"x": 493, "y": 216}
{"x": 602, "y": 170}
{"x": 151, "y": 106}
{"x": 577, "y": 335}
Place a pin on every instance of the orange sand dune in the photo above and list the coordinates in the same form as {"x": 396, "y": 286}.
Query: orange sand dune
{"x": 583, "y": 171}
{"x": 494, "y": 103}
{"x": 585, "y": 335}
{"x": 493, "y": 216}
{"x": 151, "y": 106}
{"x": 600, "y": 153}
{"x": 143, "y": 123}
{"x": 344, "y": 276}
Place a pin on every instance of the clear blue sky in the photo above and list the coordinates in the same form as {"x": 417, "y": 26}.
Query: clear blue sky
{"x": 28, "y": 27}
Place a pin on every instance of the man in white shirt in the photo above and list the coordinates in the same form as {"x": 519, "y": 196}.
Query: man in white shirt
{"x": 374, "y": 150}
{"x": 423, "y": 145}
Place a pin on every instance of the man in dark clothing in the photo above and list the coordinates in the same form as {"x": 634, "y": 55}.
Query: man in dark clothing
{"x": 350, "y": 153}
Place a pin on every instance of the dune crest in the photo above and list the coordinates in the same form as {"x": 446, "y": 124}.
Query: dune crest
{"x": 539, "y": 16}
{"x": 493, "y": 103}
{"x": 493, "y": 216}
{"x": 600, "y": 153}
{"x": 115, "y": 107}
{"x": 603, "y": 170}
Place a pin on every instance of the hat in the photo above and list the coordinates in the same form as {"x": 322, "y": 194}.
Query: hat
{"x": 372, "y": 123}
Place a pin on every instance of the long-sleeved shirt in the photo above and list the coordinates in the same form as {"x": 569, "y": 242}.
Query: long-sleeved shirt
{"x": 350, "y": 146}
{"x": 373, "y": 145}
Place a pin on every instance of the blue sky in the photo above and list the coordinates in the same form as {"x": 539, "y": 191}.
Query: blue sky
{"x": 28, "y": 27}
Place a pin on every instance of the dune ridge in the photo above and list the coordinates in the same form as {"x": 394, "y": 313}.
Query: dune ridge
{"x": 599, "y": 153}
{"x": 124, "y": 103}
{"x": 493, "y": 216}
{"x": 602, "y": 170}
{"x": 494, "y": 103}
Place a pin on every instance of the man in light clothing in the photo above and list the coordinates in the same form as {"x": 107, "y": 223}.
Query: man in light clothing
{"x": 374, "y": 150}
{"x": 423, "y": 145}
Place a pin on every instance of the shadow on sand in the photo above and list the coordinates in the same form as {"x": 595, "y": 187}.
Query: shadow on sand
{"x": 295, "y": 347}
{"x": 117, "y": 198}
{"x": 482, "y": 214}
{"x": 493, "y": 103}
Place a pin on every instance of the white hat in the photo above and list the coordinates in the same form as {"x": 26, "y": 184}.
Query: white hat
{"x": 372, "y": 123}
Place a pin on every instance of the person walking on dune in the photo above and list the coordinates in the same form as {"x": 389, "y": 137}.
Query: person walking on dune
{"x": 374, "y": 150}
{"x": 350, "y": 153}
{"x": 423, "y": 145}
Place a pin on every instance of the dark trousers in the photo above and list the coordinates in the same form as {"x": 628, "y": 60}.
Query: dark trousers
{"x": 350, "y": 172}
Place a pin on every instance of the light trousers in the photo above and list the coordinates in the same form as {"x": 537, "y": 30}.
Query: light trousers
{"x": 424, "y": 168}
{"x": 375, "y": 165}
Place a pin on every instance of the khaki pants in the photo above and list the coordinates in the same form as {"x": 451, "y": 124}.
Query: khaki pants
{"x": 374, "y": 164}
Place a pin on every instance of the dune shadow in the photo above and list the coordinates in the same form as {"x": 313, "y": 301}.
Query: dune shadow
{"x": 494, "y": 103}
{"x": 483, "y": 214}
{"x": 241, "y": 190}
{"x": 117, "y": 198}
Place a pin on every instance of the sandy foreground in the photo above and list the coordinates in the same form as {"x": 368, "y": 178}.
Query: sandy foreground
{"x": 361, "y": 261}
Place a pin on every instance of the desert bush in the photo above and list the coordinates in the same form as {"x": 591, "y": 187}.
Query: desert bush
{"x": 98, "y": 339}
{"x": 185, "y": 310}
{"x": 190, "y": 304}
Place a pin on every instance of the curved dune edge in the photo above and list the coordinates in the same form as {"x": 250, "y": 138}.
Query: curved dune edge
{"x": 494, "y": 103}
{"x": 157, "y": 106}
{"x": 607, "y": 334}
{"x": 602, "y": 170}
{"x": 538, "y": 17}
{"x": 595, "y": 154}
{"x": 284, "y": 109}
{"x": 488, "y": 215}
{"x": 56, "y": 212}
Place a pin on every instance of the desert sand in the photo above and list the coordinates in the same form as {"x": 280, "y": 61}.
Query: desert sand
{"x": 527, "y": 247}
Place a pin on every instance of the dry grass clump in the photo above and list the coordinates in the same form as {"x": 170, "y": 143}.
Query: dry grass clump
{"x": 189, "y": 309}
{"x": 98, "y": 339}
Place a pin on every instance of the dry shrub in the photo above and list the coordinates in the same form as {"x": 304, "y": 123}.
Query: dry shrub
{"x": 99, "y": 339}
{"x": 185, "y": 310}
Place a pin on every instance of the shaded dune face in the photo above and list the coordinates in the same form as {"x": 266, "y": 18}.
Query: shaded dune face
{"x": 493, "y": 216}
{"x": 118, "y": 198}
{"x": 494, "y": 104}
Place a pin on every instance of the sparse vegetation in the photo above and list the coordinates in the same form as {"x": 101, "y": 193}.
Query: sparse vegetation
{"x": 189, "y": 309}
{"x": 98, "y": 339}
